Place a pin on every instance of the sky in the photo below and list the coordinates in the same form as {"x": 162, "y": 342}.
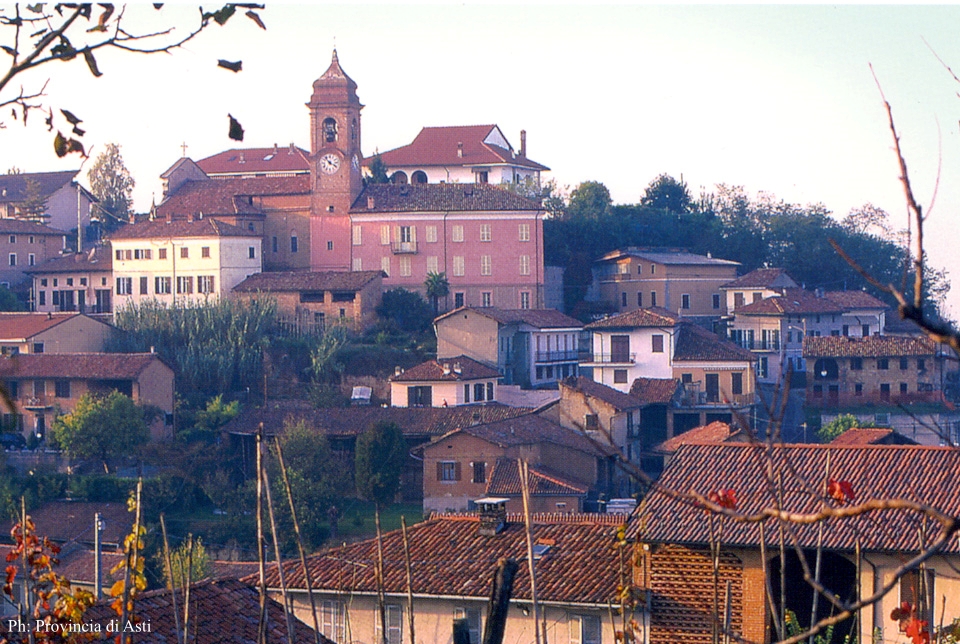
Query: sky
{"x": 779, "y": 99}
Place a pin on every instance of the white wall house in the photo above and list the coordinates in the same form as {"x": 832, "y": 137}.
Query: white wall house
{"x": 637, "y": 344}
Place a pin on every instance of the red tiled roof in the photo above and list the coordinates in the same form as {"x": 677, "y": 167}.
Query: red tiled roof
{"x": 538, "y": 318}
{"x": 21, "y": 227}
{"x": 229, "y": 196}
{"x": 794, "y": 302}
{"x": 97, "y": 260}
{"x": 652, "y": 391}
{"x": 224, "y": 611}
{"x": 79, "y": 566}
{"x": 307, "y": 281}
{"x": 530, "y": 429}
{"x": 929, "y": 475}
{"x": 694, "y": 343}
{"x": 767, "y": 278}
{"x": 715, "y": 432}
{"x": 79, "y": 366}
{"x": 600, "y": 391}
{"x": 350, "y": 421}
{"x": 871, "y": 436}
{"x": 162, "y": 228}
{"x": 652, "y": 317}
{"x": 855, "y": 300}
{"x": 876, "y": 346}
{"x": 505, "y": 481}
{"x": 452, "y": 369}
{"x": 13, "y": 187}
{"x": 438, "y": 197}
{"x": 65, "y": 521}
{"x": 450, "y": 558}
{"x": 287, "y": 159}
{"x": 22, "y": 326}
{"x": 435, "y": 146}
{"x": 220, "y": 569}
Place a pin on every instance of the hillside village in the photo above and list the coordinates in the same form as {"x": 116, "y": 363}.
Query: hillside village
{"x": 534, "y": 427}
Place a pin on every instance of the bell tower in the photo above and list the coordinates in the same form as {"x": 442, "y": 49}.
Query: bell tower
{"x": 335, "y": 160}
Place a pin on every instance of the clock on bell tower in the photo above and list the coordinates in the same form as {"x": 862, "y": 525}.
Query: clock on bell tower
{"x": 335, "y": 166}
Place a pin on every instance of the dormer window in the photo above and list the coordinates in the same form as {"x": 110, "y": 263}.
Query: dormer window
{"x": 330, "y": 130}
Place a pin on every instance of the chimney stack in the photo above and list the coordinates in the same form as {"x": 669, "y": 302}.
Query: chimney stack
{"x": 492, "y": 512}
{"x": 371, "y": 203}
{"x": 523, "y": 143}
{"x": 460, "y": 150}
{"x": 446, "y": 368}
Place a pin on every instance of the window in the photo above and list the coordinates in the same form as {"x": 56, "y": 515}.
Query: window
{"x": 657, "y": 343}
{"x": 43, "y": 298}
{"x": 333, "y": 620}
{"x": 458, "y": 265}
{"x": 357, "y": 235}
{"x": 885, "y": 391}
{"x": 903, "y": 387}
{"x": 69, "y": 281}
{"x": 485, "y": 265}
{"x": 405, "y": 266}
{"x": 653, "y": 269}
{"x": 39, "y": 388}
{"x": 142, "y": 253}
{"x": 524, "y": 264}
{"x": 205, "y": 284}
{"x": 485, "y": 233}
{"x": 524, "y": 235}
{"x": 858, "y": 389}
{"x": 251, "y": 252}
{"x": 472, "y": 615}
{"x": 883, "y": 364}
{"x": 457, "y": 235}
{"x": 356, "y": 264}
{"x": 479, "y": 472}
{"x": 43, "y": 282}
{"x": 431, "y": 233}
{"x": 124, "y": 286}
{"x": 623, "y": 268}
{"x": 448, "y": 470}
{"x": 329, "y": 130}
{"x": 736, "y": 383}
{"x": 585, "y": 629}
{"x": 685, "y": 301}
{"x": 904, "y": 364}
{"x": 856, "y": 364}
{"x": 83, "y": 281}
{"x": 458, "y": 300}
{"x": 384, "y": 235}
{"x": 433, "y": 264}
{"x": 762, "y": 367}
{"x": 478, "y": 392}
{"x": 185, "y": 285}
{"x": 394, "y": 616}
{"x": 716, "y": 300}
{"x": 205, "y": 251}
{"x": 486, "y": 298}
{"x": 161, "y": 253}
{"x": 639, "y": 299}
{"x": 13, "y": 239}
{"x": 31, "y": 260}
{"x": 524, "y": 299}
{"x": 405, "y": 235}
{"x": 163, "y": 285}
{"x": 653, "y": 298}
{"x": 619, "y": 376}
{"x": 184, "y": 252}
{"x": 274, "y": 246}
{"x": 489, "y": 391}
{"x": 623, "y": 299}
{"x": 62, "y": 388}
{"x": 294, "y": 244}
{"x": 38, "y": 347}
{"x": 128, "y": 254}
{"x": 466, "y": 393}
{"x": 143, "y": 285}
{"x": 385, "y": 265}
{"x": 591, "y": 421}
{"x": 13, "y": 259}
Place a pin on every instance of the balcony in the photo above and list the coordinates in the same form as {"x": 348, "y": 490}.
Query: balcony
{"x": 611, "y": 358}
{"x": 404, "y": 248}
{"x": 694, "y": 396}
{"x": 36, "y": 403}
{"x": 758, "y": 345}
{"x": 557, "y": 356}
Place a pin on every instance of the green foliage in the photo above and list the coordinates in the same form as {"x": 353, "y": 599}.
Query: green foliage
{"x": 666, "y": 193}
{"x": 325, "y": 364}
{"x": 211, "y": 418}
{"x": 381, "y": 453}
{"x": 545, "y": 193}
{"x": 837, "y": 426}
{"x": 189, "y": 560}
{"x": 9, "y": 300}
{"x": 213, "y": 347}
{"x": 378, "y": 171}
{"x": 34, "y": 204}
{"x": 438, "y": 287}
{"x": 589, "y": 200}
{"x": 405, "y": 310}
{"x": 101, "y": 427}
{"x": 99, "y": 488}
{"x": 112, "y": 184}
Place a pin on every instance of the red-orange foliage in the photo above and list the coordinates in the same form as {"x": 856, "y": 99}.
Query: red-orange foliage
{"x": 841, "y": 491}
{"x": 725, "y": 498}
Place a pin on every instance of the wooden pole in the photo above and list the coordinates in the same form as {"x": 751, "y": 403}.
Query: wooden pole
{"x": 276, "y": 552}
{"x": 525, "y": 490}
{"x": 262, "y": 624}
{"x": 503, "y": 578}
{"x": 406, "y": 558}
{"x": 173, "y": 582}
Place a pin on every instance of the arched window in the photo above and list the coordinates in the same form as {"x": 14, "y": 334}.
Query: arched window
{"x": 399, "y": 177}
{"x": 418, "y": 177}
{"x": 826, "y": 369}
{"x": 330, "y": 130}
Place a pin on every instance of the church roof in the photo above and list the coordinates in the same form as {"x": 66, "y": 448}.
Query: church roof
{"x": 438, "y": 197}
{"x": 229, "y": 196}
{"x": 458, "y": 145}
{"x": 274, "y": 160}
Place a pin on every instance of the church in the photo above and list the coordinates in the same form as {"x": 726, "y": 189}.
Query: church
{"x": 315, "y": 211}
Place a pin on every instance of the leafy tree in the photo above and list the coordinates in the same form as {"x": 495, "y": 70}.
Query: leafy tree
{"x": 589, "y": 200}
{"x": 544, "y": 192}
{"x": 378, "y": 171}
{"x": 868, "y": 220}
{"x": 405, "y": 310}
{"x": 323, "y": 356}
{"x": 189, "y": 560}
{"x": 112, "y": 185}
{"x": 9, "y": 300}
{"x": 381, "y": 453}
{"x": 438, "y": 286}
{"x": 666, "y": 193}
{"x": 34, "y": 204}
{"x": 837, "y": 426}
{"x": 101, "y": 427}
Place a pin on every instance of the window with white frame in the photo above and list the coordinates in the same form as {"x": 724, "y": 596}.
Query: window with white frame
{"x": 433, "y": 265}
{"x": 472, "y": 615}
{"x": 394, "y": 617}
{"x": 357, "y": 235}
{"x": 457, "y": 234}
{"x": 524, "y": 264}
{"x": 458, "y": 266}
{"x": 524, "y": 232}
{"x": 124, "y": 286}
{"x": 184, "y": 284}
{"x": 406, "y": 266}
{"x": 486, "y": 266}
{"x": 205, "y": 284}
{"x": 12, "y": 259}
{"x": 31, "y": 260}
{"x": 405, "y": 235}
{"x": 524, "y": 299}
{"x": 431, "y": 234}
{"x": 162, "y": 285}
{"x": 357, "y": 264}
{"x": 333, "y": 620}
{"x": 585, "y": 629}
{"x": 384, "y": 235}
{"x": 486, "y": 299}
{"x": 485, "y": 233}
{"x": 385, "y": 265}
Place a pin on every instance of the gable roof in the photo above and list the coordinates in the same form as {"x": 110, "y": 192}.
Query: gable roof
{"x": 454, "y": 369}
{"x": 228, "y": 196}
{"x": 450, "y": 558}
{"x": 929, "y": 475}
{"x": 537, "y": 318}
{"x": 223, "y": 611}
{"x": 288, "y": 159}
{"x": 694, "y": 343}
{"x": 350, "y": 421}
{"x": 768, "y": 278}
{"x": 77, "y": 366}
{"x": 793, "y": 302}
{"x": 458, "y": 145}
{"x": 438, "y": 197}
{"x": 165, "y": 229}
{"x": 99, "y": 259}
{"x": 656, "y": 317}
{"x": 871, "y": 436}
{"x": 13, "y": 187}
{"x": 652, "y": 391}
{"x": 505, "y": 481}
{"x": 874, "y": 346}
{"x": 530, "y": 429}
{"x": 855, "y": 300}
{"x": 22, "y": 227}
{"x": 307, "y": 281}
{"x": 715, "y": 432}
{"x": 600, "y": 391}
{"x": 65, "y": 521}
{"x": 20, "y": 327}
{"x": 675, "y": 256}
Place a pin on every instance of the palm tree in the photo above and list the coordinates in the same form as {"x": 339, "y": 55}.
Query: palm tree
{"x": 438, "y": 286}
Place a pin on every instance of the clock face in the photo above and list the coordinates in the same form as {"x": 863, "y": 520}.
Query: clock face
{"x": 329, "y": 163}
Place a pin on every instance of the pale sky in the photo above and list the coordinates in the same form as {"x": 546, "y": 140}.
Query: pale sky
{"x": 773, "y": 98}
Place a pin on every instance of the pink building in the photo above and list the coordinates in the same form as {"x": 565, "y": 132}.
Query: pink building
{"x": 486, "y": 240}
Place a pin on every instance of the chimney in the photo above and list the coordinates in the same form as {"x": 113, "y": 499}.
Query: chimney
{"x": 242, "y": 159}
{"x": 397, "y": 370}
{"x": 276, "y": 149}
{"x": 457, "y": 368}
{"x": 492, "y": 512}
{"x": 190, "y": 216}
{"x": 523, "y": 143}
{"x": 293, "y": 149}
{"x": 460, "y": 150}
{"x": 371, "y": 203}
{"x": 446, "y": 368}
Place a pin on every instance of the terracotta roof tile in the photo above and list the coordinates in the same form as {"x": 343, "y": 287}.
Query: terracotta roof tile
{"x": 767, "y": 278}
{"x": 79, "y": 566}
{"x": 653, "y": 391}
{"x": 871, "y": 436}
{"x": 876, "y": 346}
{"x": 715, "y": 432}
{"x": 224, "y": 611}
{"x": 694, "y": 343}
{"x": 13, "y": 187}
{"x": 81, "y": 366}
{"x": 530, "y": 429}
{"x": 97, "y": 260}
{"x": 505, "y": 481}
{"x": 538, "y": 318}
{"x": 651, "y": 317}
{"x": 929, "y": 475}
{"x": 22, "y": 326}
{"x": 454, "y": 369}
{"x": 306, "y": 281}
{"x": 855, "y": 300}
{"x": 65, "y": 521}
{"x": 257, "y": 160}
{"x": 793, "y": 302}
{"x": 162, "y": 228}
{"x": 228, "y": 196}
{"x": 439, "y": 146}
{"x": 21, "y": 227}
{"x": 439, "y": 197}
{"x": 600, "y": 391}
{"x": 449, "y": 558}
